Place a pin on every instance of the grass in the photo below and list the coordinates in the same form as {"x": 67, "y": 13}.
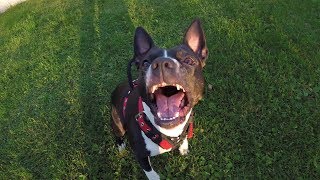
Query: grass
{"x": 60, "y": 60}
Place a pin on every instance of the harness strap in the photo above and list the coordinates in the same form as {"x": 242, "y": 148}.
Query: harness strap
{"x": 139, "y": 118}
{"x": 190, "y": 130}
{"x": 125, "y": 101}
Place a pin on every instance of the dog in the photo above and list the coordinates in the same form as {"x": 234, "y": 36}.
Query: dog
{"x": 155, "y": 110}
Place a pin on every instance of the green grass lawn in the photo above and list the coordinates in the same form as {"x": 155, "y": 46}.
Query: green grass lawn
{"x": 60, "y": 61}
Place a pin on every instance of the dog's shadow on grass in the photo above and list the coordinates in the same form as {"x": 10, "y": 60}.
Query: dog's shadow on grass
{"x": 101, "y": 57}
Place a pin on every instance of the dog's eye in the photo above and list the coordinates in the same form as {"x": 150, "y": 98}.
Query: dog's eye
{"x": 146, "y": 63}
{"x": 189, "y": 61}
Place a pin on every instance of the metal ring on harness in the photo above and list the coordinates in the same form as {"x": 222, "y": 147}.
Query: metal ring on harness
{"x": 137, "y": 116}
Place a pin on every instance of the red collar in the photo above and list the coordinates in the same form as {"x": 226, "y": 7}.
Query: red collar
{"x": 152, "y": 133}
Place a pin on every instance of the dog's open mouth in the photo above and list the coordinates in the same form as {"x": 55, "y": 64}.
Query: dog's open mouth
{"x": 170, "y": 102}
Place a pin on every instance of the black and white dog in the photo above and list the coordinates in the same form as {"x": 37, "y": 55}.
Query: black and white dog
{"x": 156, "y": 109}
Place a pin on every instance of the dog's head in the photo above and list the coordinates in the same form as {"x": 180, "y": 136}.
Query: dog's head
{"x": 170, "y": 80}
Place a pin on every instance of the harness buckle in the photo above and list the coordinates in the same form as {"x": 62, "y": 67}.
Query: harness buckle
{"x": 137, "y": 116}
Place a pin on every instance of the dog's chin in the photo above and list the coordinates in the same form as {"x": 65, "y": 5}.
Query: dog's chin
{"x": 170, "y": 104}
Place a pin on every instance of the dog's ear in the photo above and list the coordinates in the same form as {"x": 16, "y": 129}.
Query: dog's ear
{"x": 196, "y": 40}
{"x": 142, "y": 42}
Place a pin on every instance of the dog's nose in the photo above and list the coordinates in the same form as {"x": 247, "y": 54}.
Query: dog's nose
{"x": 163, "y": 63}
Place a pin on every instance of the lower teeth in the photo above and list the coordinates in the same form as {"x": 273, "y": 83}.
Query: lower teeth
{"x": 166, "y": 119}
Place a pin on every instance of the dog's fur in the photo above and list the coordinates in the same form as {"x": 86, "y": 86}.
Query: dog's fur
{"x": 170, "y": 83}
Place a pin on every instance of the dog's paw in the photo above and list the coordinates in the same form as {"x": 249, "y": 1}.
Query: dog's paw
{"x": 122, "y": 147}
{"x": 184, "y": 149}
{"x": 152, "y": 175}
{"x": 184, "y": 152}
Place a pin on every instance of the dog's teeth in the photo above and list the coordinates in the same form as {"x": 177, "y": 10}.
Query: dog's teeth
{"x": 153, "y": 89}
{"x": 168, "y": 119}
{"x": 179, "y": 87}
{"x": 176, "y": 115}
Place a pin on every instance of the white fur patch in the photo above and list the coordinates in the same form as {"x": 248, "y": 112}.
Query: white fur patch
{"x": 184, "y": 148}
{"x": 148, "y": 76}
{"x": 154, "y": 148}
{"x": 152, "y": 175}
{"x": 122, "y": 147}
{"x": 174, "y": 132}
{"x": 165, "y": 54}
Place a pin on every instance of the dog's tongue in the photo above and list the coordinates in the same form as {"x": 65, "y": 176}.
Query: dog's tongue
{"x": 168, "y": 107}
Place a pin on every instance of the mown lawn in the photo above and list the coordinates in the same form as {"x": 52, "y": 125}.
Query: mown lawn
{"x": 60, "y": 60}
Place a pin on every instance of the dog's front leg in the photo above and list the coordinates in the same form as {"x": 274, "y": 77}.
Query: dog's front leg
{"x": 184, "y": 147}
{"x": 146, "y": 166}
